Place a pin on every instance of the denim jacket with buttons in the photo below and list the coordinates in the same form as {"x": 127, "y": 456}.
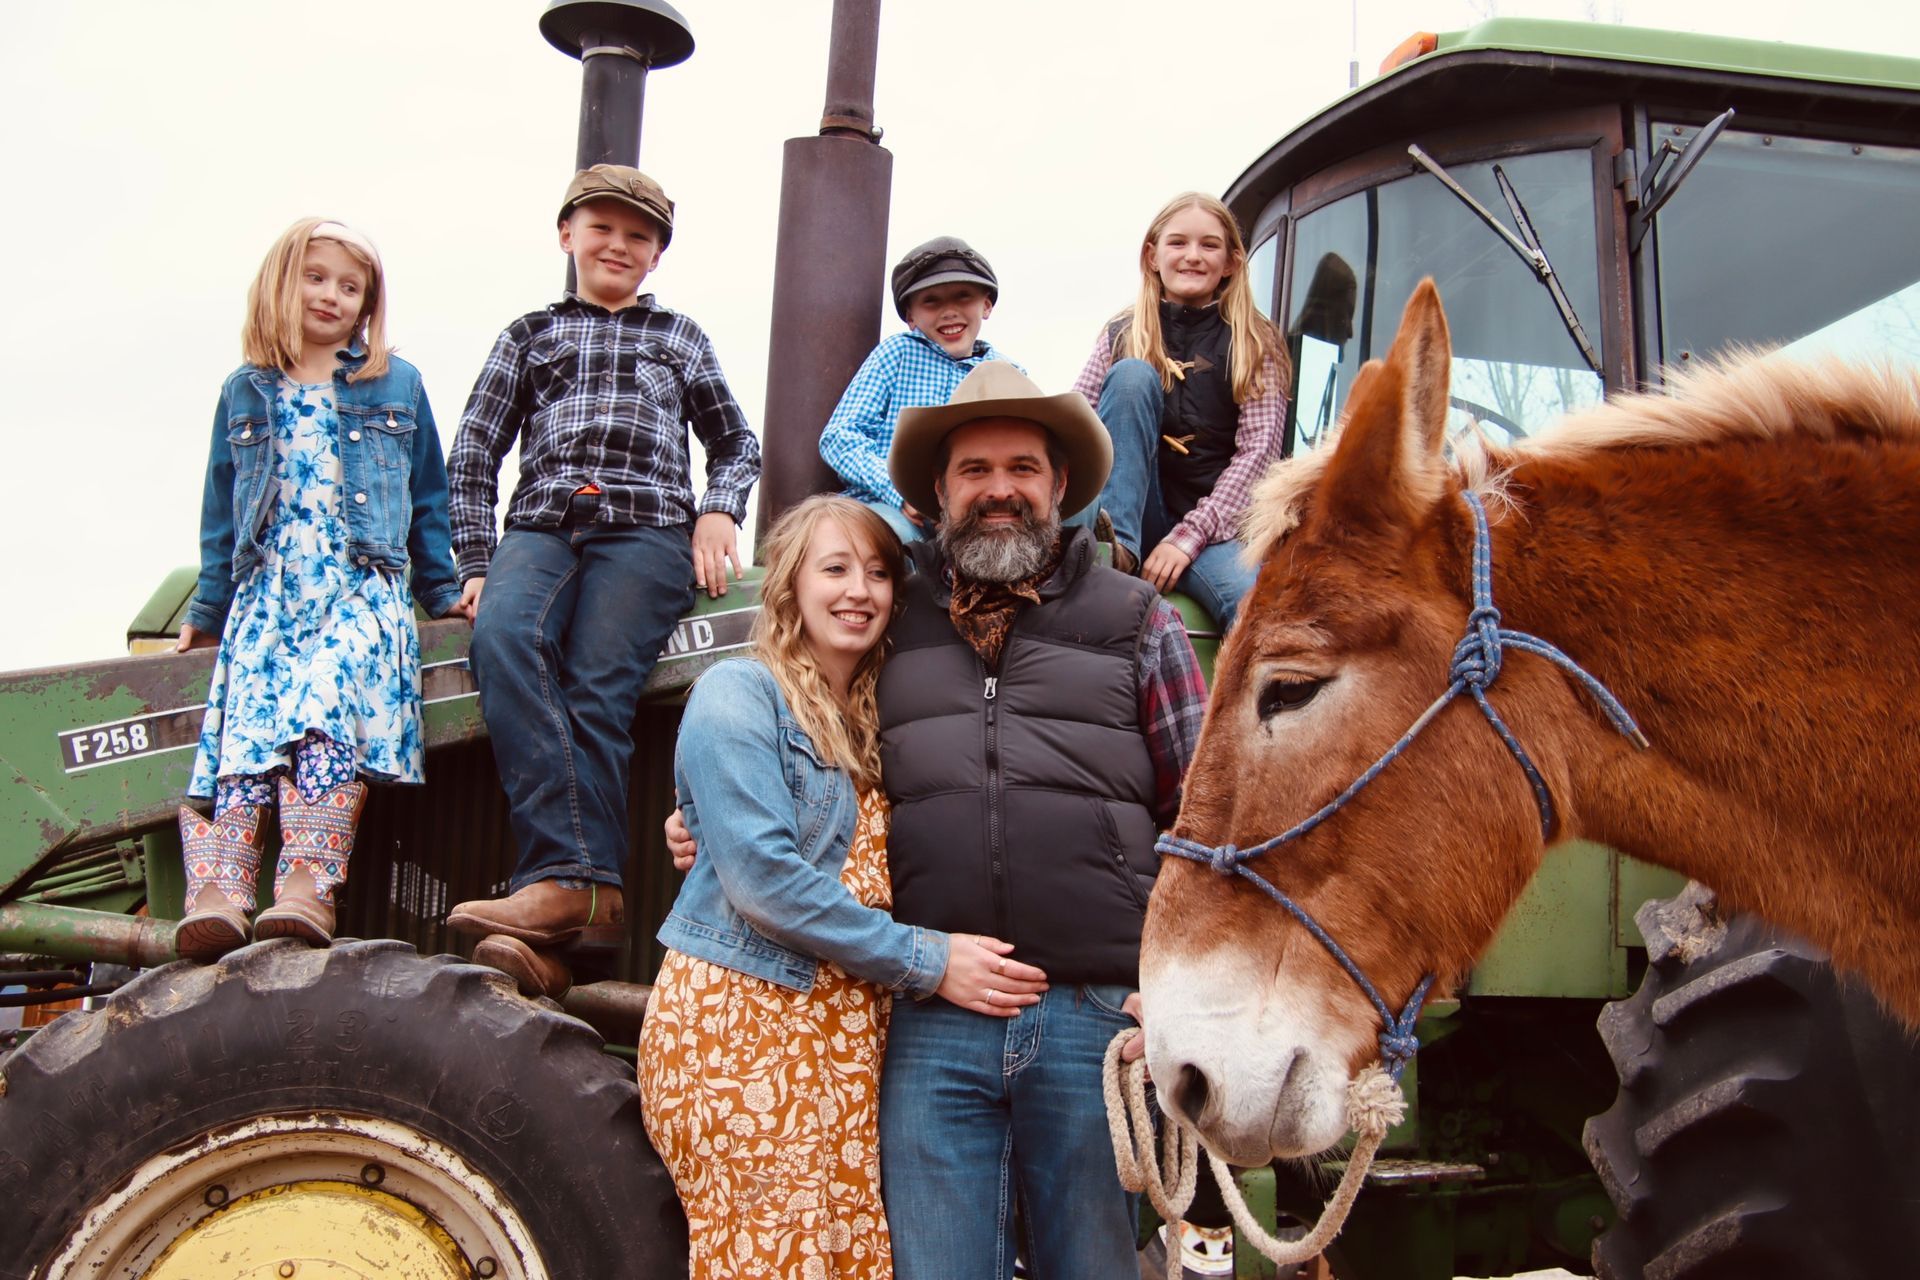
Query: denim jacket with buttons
{"x": 774, "y": 826}
{"x": 394, "y": 484}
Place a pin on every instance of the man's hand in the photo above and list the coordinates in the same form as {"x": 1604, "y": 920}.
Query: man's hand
{"x": 1164, "y": 566}
{"x": 1132, "y": 1050}
{"x": 469, "y": 606}
{"x": 715, "y": 545}
{"x": 680, "y": 843}
{"x": 981, "y": 977}
{"x": 192, "y": 637}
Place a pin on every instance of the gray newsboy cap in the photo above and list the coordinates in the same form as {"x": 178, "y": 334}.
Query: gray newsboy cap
{"x": 941, "y": 260}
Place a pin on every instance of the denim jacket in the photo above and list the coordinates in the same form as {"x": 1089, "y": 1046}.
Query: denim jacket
{"x": 773, "y": 826}
{"x": 394, "y": 477}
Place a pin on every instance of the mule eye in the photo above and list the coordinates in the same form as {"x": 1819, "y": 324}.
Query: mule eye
{"x": 1287, "y": 695}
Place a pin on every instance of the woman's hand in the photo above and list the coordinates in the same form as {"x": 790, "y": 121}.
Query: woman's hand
{"x": 469, "y": 606}
{"x": 982, "y": 977}
{"x": 680, "y": 843}
{"x": 192, "y": 637}
{"x": 1164, "y": 565}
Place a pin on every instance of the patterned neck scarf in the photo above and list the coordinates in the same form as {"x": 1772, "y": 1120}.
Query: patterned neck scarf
{"x": 983, "y": 612}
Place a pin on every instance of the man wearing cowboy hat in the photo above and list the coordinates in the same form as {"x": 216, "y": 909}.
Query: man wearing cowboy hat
{"x": 1037, "y": 713}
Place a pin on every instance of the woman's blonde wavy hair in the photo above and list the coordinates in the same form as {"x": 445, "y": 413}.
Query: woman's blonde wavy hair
{"x": 847, "y": 735}
{"x": 1255, "y": 341}
{"x": 272, "y": 336}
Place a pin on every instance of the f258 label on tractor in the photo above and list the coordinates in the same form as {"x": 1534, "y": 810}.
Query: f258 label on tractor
{"x": 116, "y": 741}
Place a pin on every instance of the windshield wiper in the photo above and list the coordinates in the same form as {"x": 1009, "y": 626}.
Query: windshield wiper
{"x": 1526, "y": 244}
{"x": 1651, "y": 199}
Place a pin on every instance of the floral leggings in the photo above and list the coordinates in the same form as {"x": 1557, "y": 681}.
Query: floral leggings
{"x": 319, "y": 765}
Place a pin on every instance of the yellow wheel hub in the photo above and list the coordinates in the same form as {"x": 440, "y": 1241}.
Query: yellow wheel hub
{"x": 314, "y": 1231}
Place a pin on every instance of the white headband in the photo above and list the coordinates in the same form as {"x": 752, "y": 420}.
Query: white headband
{"x": 348, "y": 236}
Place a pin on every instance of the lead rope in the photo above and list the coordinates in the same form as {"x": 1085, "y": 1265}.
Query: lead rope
{"x": 1374, "y": 1105}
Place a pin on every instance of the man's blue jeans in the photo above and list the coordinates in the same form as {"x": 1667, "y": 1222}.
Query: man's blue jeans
{"x": 571, "y": 622}
{"x": 974, "y": 1110}
{"x": 1130, "y": 406}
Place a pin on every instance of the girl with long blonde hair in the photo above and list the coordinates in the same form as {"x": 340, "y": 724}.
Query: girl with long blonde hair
{"x": 760, "y": 1055}
{"x": 325, "y": 500}
{"x": 1191, "y": 381}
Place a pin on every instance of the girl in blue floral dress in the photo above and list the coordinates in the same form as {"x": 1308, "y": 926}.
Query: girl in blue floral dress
{"x": 326, "y": 489}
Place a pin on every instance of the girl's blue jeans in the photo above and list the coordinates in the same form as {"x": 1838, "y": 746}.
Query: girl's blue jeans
{"x": 1130, "y": 406}
{"x": 571, "y": 622}
{"x": 975, "y": 1111}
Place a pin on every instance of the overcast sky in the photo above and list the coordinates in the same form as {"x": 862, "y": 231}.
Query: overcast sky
{"x": 152, "y": 149}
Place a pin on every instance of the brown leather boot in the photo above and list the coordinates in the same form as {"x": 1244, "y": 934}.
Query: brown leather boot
{"x": 222, "y": 859}
{"x": 316, "y": 843}
{"x": 537, "y": 971}
{"x": 1123, "y": 560}
{"x": 546, "y": 914}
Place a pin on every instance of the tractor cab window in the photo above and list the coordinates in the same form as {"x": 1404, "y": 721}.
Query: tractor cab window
{"x": 1808, "y": 245}
{"x": 1517, "y": 364}
{"x": 1260, "y": 267}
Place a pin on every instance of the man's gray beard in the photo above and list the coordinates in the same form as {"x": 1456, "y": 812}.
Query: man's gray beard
{"x": 999, "y": 555}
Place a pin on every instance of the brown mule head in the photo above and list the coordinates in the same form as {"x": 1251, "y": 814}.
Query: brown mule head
{"x": 1253, "y": 1029}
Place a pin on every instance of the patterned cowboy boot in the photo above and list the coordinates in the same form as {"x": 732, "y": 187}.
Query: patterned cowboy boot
{"x": 222, "y": 857}
{"x": 316, "y": 841}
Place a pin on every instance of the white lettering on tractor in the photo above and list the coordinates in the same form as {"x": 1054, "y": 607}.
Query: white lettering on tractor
{"x": 122, "y": 740}
{"x": 692, "y": 636}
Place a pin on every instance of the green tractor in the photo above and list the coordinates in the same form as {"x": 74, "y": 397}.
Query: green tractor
{"x": 1595, "y": 203}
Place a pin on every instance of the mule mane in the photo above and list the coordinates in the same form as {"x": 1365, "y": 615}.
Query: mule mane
{"x": 1749, "y": 395}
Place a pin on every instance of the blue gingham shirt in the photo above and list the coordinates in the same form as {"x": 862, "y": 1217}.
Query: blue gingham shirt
{"x": 906, "y": 371}
{"x": 597, "y": 397}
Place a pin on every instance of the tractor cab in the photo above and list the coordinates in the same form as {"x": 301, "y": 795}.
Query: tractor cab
{"x": 1597, "y": 205}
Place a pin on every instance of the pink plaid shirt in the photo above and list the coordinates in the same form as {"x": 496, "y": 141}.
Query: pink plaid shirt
{"x": 1256, "y": 446}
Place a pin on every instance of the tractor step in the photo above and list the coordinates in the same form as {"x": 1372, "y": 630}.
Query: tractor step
{"x": 1400, "y": 1173}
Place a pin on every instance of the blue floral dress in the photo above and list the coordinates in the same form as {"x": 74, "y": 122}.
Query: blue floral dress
{"x": 314, "y": 642}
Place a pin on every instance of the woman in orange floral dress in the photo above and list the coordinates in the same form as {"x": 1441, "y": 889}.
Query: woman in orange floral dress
{"x": 760, "y": 1056}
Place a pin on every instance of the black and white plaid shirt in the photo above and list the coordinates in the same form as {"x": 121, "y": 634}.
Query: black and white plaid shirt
{"x": 603, "y": 398}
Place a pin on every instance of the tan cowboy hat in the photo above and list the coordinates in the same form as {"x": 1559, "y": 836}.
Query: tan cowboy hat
{"x": 998, "y": 390}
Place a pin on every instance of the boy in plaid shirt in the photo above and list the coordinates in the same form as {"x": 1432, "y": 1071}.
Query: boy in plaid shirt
{"x": 944, "y": 291}
{"x": 603, "y": 549}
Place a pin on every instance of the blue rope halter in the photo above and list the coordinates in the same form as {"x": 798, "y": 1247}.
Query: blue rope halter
{"x": 1476, "y": 664}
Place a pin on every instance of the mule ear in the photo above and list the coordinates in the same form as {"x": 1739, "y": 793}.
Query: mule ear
{"x": 1388, "y": 463}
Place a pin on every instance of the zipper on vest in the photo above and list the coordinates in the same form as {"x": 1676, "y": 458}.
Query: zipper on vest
{"x": 996, "y": 850}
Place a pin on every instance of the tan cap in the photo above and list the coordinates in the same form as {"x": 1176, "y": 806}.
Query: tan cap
{"x": 627, "y": 185}
{"x": 998, "y": 390}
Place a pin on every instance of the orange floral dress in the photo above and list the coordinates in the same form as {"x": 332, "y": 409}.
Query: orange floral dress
{"x": 764, "y": 1103}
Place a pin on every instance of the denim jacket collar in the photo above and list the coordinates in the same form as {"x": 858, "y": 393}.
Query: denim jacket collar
{"x": 350, "y": 357}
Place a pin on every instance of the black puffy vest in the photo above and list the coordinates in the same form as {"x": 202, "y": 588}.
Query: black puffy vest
{"x": 1200, "y": 411}
{"x": 1023, "y": 798}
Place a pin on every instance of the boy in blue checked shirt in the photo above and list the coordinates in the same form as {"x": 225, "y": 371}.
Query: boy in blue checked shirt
{"x": 603, "y": 549}
{"x": 944, "y": 291}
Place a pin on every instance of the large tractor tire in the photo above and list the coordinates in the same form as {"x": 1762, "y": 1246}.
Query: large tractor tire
{"x": 1765, "y": 1124}
{"x": 351, "y": 1111}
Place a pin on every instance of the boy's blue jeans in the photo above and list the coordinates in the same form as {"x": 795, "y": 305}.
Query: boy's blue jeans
{"x": 903, "y": 528}
{"x": 1130, "y": 406}
{"x": 974, "y": 1110}
{"x": 571, "y": 622}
